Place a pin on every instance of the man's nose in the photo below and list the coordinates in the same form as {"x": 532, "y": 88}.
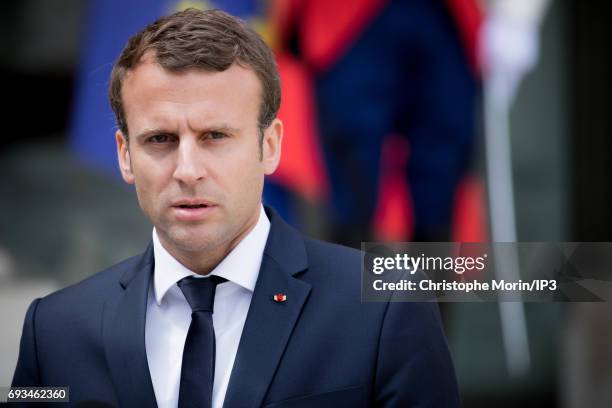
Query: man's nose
{"x": 189, "y": 163}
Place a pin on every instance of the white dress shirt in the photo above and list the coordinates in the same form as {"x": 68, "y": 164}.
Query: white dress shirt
{"x": 169, "y": 315}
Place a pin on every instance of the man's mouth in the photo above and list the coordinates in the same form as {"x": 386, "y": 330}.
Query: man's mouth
{"x": 192, "y": 210}
{"x": 192, "y": 203}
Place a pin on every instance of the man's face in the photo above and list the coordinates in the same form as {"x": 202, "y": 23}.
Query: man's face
{"x": 194, "y": 154}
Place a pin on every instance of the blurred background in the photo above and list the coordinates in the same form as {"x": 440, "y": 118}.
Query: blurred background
{"x": 406, "y": 120}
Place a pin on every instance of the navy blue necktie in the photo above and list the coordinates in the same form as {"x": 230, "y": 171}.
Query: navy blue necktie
{"x": 198, "y": 369}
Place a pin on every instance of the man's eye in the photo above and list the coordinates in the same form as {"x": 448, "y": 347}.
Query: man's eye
{"x": 215, "y": 135}
{"x": 159, "y": 138}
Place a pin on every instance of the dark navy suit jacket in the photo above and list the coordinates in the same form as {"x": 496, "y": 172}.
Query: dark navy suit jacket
{"x": 320, "y": 348}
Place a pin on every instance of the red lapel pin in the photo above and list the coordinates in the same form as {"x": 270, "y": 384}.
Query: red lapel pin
{"x": 280, "y": 297}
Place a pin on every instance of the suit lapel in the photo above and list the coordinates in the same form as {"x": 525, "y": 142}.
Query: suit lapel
{"x": 124, "y": 336}
{"x": 269, "y": 324}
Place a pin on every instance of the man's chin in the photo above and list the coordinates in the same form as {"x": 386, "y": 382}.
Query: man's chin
{"x": 192, "y": 239}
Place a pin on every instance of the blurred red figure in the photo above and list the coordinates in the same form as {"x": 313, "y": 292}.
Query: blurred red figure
{"x": 328, "y": 45}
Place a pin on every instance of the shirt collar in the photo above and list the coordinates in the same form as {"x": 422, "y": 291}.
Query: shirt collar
{"x": 240, "y": 266}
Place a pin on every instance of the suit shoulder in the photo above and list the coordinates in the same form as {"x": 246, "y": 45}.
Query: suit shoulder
{"x": 93, "y": 287}
{"x": 319, "y": 250}
{"x": 335, "y": 260}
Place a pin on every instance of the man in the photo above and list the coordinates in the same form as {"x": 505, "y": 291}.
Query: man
{"x": 196, "y": 96}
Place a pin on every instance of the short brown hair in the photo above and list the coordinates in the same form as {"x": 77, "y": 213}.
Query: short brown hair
{"x": 211, "y": 40}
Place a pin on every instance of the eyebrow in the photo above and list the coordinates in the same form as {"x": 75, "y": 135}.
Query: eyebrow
{"x": 151, "y": 132}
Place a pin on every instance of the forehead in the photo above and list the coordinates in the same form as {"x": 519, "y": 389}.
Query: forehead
{"x": 155, "y": 96}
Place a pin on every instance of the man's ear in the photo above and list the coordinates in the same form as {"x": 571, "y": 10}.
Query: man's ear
{"x": 123, "y": 154}
{"x": 271, "y": 148}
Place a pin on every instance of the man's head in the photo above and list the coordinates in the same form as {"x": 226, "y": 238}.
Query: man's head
{"x": 209, "y": 40}
{"x": 197, "y": 92}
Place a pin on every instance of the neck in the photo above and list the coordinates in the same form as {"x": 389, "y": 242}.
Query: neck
{"x": 206, "y": 260}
